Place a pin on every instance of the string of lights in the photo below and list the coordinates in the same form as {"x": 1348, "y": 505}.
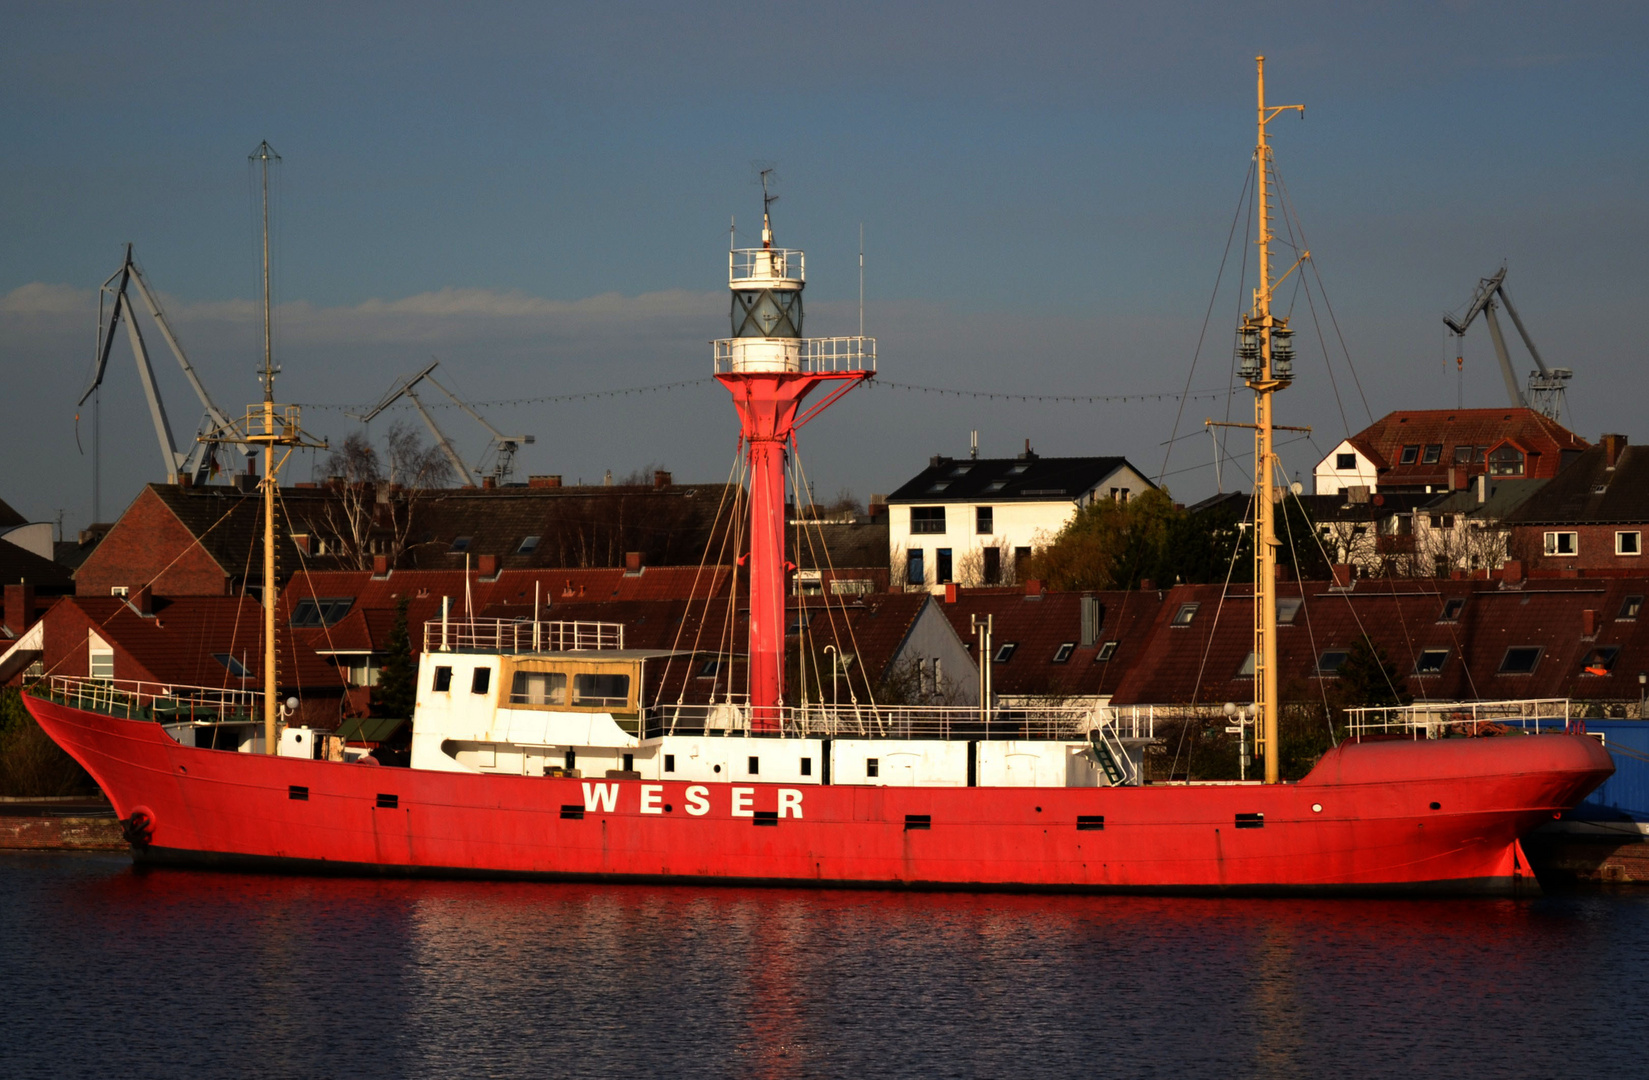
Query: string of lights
{"x": 1209, "y": 394}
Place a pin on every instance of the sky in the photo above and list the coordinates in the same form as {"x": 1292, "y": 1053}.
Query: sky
{"x": 539, "y": 197}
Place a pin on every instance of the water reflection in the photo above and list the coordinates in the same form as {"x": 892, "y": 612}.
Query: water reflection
{"x": 165, "y": 973}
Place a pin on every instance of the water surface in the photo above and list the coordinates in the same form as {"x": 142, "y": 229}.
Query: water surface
{"x": 106, "y": 971}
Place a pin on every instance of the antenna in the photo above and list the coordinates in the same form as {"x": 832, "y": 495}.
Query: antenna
{"x": 266, "y": 153}
{"x": 768, "y": 199}
{"x": 862, "y": 281}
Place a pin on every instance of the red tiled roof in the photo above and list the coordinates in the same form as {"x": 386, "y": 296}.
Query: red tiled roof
{"x": 1539, "y": 436}
{"x": 1040, "y": 626}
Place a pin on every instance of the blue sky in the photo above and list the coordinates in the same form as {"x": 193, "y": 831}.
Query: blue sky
{"x": 539, "y": 195}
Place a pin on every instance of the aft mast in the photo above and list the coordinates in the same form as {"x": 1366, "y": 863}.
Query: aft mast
{"x": 268, "y": 425}
{"x": 1267, "y": 354}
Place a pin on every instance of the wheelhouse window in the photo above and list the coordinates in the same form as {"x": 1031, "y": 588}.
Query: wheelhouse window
{"x": 599, "y": 689}
{"x": 1601, "y": 660}
{"x": 1331, "y": 662}
{"x": 1431, "y": 661}
{"x": 1185, "y": 614}
{"x": 320, "y": 611}
{"x": 1562, "y": 543}
{"x": 1063, "y": 653}
{"x": 1521, "y": 659}
{"x": 442, "y": 682}
{"x": 927, "y": 520}
{"x": 539, "y": 688}
{"x": 1628, "y": 543}
{"x": 984, "y": 520}
{"x": 1506, "y": 461}
{"x": 480, "y": 680}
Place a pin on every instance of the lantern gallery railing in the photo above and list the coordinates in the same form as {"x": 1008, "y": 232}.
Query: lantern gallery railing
{"x": 765, "y": 265}
{"x": 802, "y": 354}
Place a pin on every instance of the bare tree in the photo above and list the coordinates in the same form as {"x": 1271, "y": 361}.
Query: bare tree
{"x": 371, "y": 513}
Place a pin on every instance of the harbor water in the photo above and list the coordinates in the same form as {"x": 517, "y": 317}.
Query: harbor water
{"x": 108, "y": 971}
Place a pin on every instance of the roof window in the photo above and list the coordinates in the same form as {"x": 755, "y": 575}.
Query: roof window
{"x": 1185, "y": 614}
{"x": 232, "y": 665}
{"x": 1433, "y": 454}
{"x": 1411, "y": 454}
{"x": 1247, "y": 669}
{"x": 1287, "y": 608}
{"x": 529, "y": 544}
{"x": 1005, "y": 653}
{"x": 320, "y": 611}
{"x": 1630, "y": 607}
{"x": 934, "y": 489}
{"x": 1106, "y": 651}
{"x": 1521, "y": 659}
{"x": 1431, "y": 661}
{"x": 1451, "y": 609}
{"x": 460, "y": 544}
{"x": 1332, "y": 661}
{"x": 1063, "y": 653}
{"x": 1601, "y": 660}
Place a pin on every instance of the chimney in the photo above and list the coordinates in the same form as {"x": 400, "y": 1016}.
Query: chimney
{"x": 877, "y": 506}
{"x": 185, "y": 479}
{"x": 1146, "y": 584}
{"x": 553, "y": 480}
{"x": 1512, "y": 570}
{"x": 1342, "y": 575}
{"x": 661, "y": 479}
{"x": 488, "y": 565}
{"x": 1028, "y": 454}
{"x": 301, "y": 542}
{"x": 1588, "y": 623}
{"x": 1613, "y": 445}
{"x": 142, "y": 600}
{"x": 950, "y": 592}
{"x": 1033, "y": 587}
{"x": 1459, "y": 478}
{"x": 19, "y": 607}
{"x": 632, "y": 562}
{"x": 1482, "y": 488}
{"x": 1093, "y": 617}
{"x": 380, "y": 566}
{"x": 488, "y": 483}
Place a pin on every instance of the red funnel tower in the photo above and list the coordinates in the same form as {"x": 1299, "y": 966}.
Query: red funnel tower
{"x": 770, "y": 368}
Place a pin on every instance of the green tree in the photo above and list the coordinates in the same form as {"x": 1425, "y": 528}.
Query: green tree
{"x": 30, "y": 763}
{"x": 1368, "y": 677}
{"x": 397, "y": 688}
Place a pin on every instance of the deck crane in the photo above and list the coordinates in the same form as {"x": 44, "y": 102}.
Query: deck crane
{"x": 1546, "y": 388}
{"x": 498, "y": 461}
{"x": 199, "y": 461}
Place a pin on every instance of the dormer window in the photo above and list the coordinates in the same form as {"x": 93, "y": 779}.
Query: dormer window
{"x": 1506, "y": 461}
{"x": 1433, "y": 454}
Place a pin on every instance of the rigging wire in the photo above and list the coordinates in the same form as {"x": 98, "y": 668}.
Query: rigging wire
{"x": 1242, "y": 201}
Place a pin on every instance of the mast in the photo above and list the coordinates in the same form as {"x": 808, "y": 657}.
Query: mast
{"x": 268, "y": 425}
{"x": 1268, "y": 366}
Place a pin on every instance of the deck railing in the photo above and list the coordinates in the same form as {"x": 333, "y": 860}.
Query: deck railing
{"x": 1441, "y": 719}
{"x": 520, "y": 636}
{"x": 865, "y": 721}
{"x": 165, "y": 702}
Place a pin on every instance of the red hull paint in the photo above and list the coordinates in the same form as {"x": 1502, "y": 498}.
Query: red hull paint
{"x": 1373, "y": 833}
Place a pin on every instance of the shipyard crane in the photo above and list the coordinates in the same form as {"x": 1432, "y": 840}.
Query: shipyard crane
{"x": 201, "y": 458}
{"x": 498, "y": 461}
{"x": 1546, "y": 388}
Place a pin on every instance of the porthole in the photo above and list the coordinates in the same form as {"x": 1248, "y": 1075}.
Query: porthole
{"x": 1316, "y": 808}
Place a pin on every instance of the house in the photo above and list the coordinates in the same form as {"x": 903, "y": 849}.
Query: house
{"x": 1432, "y": 451}
{"x": 1457, "y": 640}
{"x": 971, "y": 520}
{"x": 1590, "y": 519}
{"x": 1054, "y": 646}
{"x": 841, "y": 558}
{"x": 206, "y": 541}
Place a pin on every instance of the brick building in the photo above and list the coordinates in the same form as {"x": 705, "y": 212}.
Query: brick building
{"x": 1431, "y": 451}
{"x": 1592, "y": 518}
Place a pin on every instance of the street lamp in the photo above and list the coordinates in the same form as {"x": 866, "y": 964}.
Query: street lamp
{"x": 1643, "y": 689}
{"x": 1240, "y": 730}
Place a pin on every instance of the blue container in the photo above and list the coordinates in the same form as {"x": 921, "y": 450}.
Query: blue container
{"x": 1625, "y": 795}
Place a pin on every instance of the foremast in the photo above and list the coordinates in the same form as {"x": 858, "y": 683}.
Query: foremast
{"x": 1267, "y": 354}
{"x": 268, "y": 426}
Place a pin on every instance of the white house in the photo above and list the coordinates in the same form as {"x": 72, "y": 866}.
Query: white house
{"x": 1347, "y": 466}
{"x": 969, "y": 520}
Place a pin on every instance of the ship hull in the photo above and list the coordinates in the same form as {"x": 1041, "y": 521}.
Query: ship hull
{"x": 1363, "y": 822}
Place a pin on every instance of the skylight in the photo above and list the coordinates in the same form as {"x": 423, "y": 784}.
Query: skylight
{"x": 529, "y": 544}
{"x": 1005, "y": 653}
{"x": 1521, "y": 659}
{"x": 320, "y": 611}
{"x": 232, "y": 665}
{"x": 1063, "y": 653}
{"x": 1431, "y": 661}
{"x": 1331, "y": 662}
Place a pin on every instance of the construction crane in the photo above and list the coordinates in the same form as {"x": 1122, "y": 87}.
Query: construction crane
{"x": 201, "y": 458}
{"x": 497, "y": 462}
{"x": 1546, "y": 387}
